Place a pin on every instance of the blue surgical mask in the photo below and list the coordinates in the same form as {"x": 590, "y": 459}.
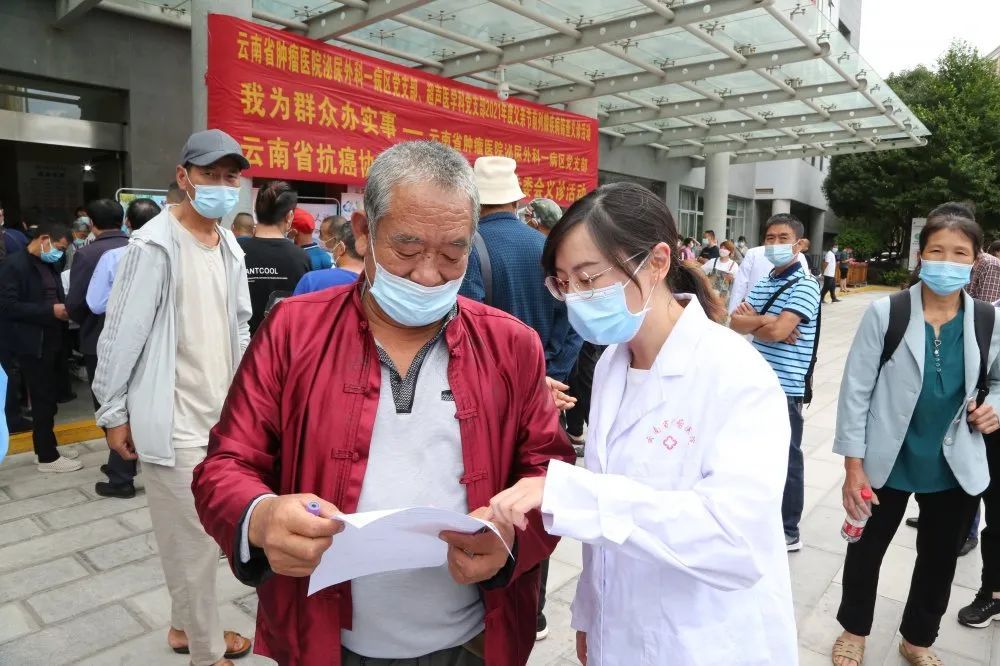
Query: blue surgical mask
{"x": 411, "y": 304}
{"x": 214, "y": 201}
{"x": 944, "y": 277}
{"x": 604, "y": 318}
{"x": 52, "y": 255}
{"x": 125, "y": 229}
{"x": 780, "y": 255}
{"x": 79, "y": 242}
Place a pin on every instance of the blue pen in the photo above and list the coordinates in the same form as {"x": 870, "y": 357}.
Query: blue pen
{"x": 313, "y": 508}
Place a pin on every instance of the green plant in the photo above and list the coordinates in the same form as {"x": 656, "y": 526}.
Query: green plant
{"x": 865, "y": 242}
{"x": 896, "y": 277}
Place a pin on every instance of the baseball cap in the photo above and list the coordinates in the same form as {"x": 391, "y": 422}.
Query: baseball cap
{"x": 303, "y": 222}
{"x": 209, "y": 146}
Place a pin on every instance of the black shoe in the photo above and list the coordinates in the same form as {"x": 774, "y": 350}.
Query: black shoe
{"x": 24, "y": 425}
{"x": 969, "y": 546}
{"x": 104, "y": 470}
{"x": 912, "y": 522}
{"x": 541, "y": 628}
{"x": 121, "y": 491}
{"x": 981, "y": 612}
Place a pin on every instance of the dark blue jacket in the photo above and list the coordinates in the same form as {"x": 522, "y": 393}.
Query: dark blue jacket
{"x": 84, "y": 264}
{"x": 519, "y": 288}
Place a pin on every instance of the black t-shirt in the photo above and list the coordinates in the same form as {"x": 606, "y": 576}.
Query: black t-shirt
{"x": 274, "y": 268}
{"x": 710, "y": 252}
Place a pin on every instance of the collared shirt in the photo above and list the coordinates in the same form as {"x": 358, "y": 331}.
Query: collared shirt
{"x": 99, "y": 289}
{"x": 789, "y": 362}
{"x": 985, "y": 281}
{"x": 519, "y": 288}
{"x": 319, "y": 258}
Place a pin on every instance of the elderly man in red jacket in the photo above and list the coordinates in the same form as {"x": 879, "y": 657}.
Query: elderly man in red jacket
{"x": 390, "y": 393}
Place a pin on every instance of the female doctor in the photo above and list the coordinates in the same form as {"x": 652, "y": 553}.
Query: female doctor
{"x": 679, "y": 506}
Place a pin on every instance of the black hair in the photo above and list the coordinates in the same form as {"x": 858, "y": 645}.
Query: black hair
{"x": 956, "y": 217}
{"x": 709, "y": 232}
{"x": 55, "y": 231}
{"x": 105, "y": 214}
{"x": 626, "y": 220}
{"x": 344, "y": 233}
{"x": 741, "y": 238}
{"x": 787, "y": 219}
{"x": 688, "y": 241}
{"x": 141, "y": 211}
{"x": 78, "y": 209}
{"x": 274, "y": 201}
{"x": 994, "y": 248}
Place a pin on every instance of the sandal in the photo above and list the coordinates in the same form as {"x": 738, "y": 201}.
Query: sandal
{"x": 236, "y": 646}
{"x": 929, "y": 659}
{"x": 847, "y": 650}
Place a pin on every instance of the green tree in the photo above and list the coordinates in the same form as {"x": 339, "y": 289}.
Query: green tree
{"x": 959, "y": 102}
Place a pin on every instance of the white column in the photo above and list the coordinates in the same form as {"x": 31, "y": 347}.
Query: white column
{"x": 817, "y": 230}
{"x": 716, "y": 193}
{"x": 585, "y": 107}
{"x": 199, "y": 66}
{"x": 781, "y": 206}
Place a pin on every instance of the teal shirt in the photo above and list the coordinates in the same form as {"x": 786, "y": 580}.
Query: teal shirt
{"x": 921, "y": 466}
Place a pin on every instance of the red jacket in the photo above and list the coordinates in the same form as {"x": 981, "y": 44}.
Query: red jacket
{"x": 299, "y": 419}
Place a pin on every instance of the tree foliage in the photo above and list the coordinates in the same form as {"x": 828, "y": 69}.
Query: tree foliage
{"x": 959, "y": 102}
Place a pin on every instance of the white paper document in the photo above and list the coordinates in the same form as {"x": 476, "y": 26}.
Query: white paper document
{"x": 378, "y": 541}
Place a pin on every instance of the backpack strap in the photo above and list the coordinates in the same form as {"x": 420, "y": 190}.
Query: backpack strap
{"x": 776, "y": 295}
{"x": 485, "y": 267}
{"x": 899, "y": 319}
{"x": 985, "y": 316}
{"x": 808, "y": 397}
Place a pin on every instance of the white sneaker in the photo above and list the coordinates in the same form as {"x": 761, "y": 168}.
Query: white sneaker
{"x": 60, "y": 464}
{"x": 65, "y": 452}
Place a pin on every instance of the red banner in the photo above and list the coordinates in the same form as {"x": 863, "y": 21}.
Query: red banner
{"x": 305, "y": 110}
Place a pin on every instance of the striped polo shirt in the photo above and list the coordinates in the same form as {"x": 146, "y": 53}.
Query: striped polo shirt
{"x": 789, "y": 362}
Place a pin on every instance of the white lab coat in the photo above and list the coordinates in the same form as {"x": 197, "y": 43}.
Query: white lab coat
{"x": 684, "y": 558}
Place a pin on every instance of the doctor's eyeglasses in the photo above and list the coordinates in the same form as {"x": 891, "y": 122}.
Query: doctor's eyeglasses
{"x": 584, "y": 287}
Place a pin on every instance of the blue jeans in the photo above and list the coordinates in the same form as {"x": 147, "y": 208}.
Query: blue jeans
{"x": 794, "y": 497}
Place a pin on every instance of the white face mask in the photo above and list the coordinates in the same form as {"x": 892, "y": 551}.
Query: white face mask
{"x": 724, "y": 253}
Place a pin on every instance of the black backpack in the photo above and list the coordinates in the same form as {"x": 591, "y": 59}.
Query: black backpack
{"x": 899, "y": 318}
{"x": 807, "y": 398}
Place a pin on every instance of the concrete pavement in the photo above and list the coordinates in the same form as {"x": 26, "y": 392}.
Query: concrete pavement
{"x": 80, "y": 579}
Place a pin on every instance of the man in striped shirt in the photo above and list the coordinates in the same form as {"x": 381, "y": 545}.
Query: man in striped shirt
{"x": 781, "y": 314}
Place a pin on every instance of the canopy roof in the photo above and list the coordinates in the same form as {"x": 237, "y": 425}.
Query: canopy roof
{"x": 763, "y": 79}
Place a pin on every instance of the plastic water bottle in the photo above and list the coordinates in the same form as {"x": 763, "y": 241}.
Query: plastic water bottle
{"x": 853, "y": 529}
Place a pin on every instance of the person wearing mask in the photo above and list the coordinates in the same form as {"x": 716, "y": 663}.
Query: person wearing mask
{"x": 12, "y": 241}
{"x": 910, "y": 421}
{"x": 138, "y": 213}
{"x": 33, "y": 320}
{"x": 844, "y": 257}
{"x": 80, "y": 230}
{"x": 348, "y": 264}
{"x": 243, "y": 225}
{"x": 120, "y": 472}
{"x": 411, "y": 358}
{"x": 755, "y": 267}
{"x": 301, "y": 233}
{"x": 677, "y": 506}
{"x": 274, "y": 265}
{"x": 328, "y": 233}
{"x": 781, "y": 314}
{"x": 830, "y": 275}
{"x": 722, "y": 271}
{"x": 687, "y": 250}
{"x": 542, "y": 215}
{"x": 709, "y": 247}
{"x": 176, "y": 329}
{"x": 741, "y": 249}
{"x": 515, "y": 283}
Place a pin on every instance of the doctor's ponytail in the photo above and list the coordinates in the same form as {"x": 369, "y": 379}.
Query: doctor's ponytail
{"x": 627, "y": 220}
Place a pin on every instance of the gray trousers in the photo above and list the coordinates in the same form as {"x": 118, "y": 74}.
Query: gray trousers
{"x": 456, "y": 656}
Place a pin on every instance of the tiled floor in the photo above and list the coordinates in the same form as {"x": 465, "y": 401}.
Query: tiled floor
{"x": 80, "y": 581}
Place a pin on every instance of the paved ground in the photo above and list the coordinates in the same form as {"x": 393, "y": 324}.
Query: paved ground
{"x": 80, "y": 580}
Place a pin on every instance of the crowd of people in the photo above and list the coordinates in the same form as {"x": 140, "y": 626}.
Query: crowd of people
{"x": 450, "y": 345}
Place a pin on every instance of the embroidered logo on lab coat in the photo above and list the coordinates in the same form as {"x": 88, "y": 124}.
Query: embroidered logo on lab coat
{"x": 669, "y": 433}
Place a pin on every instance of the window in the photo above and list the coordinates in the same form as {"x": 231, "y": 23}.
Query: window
{"x": 691, "y": 213}
{"x": 737, "y": 218}
{"x": 844, "y": 30}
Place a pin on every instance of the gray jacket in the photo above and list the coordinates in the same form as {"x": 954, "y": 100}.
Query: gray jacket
{"x": 137, "y": 351}
{"x": 872, "y": 420}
